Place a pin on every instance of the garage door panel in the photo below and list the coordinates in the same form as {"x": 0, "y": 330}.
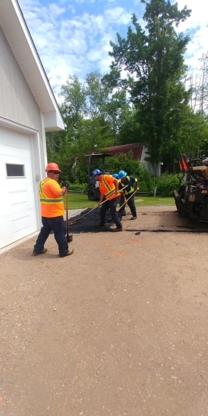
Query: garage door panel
{"x": 18, "y": 198}
{"x": 14, "y": 201}
{"x": 20, "y": 224}
{"x": 18, "y": 214}
{"x": 8, "y": 151}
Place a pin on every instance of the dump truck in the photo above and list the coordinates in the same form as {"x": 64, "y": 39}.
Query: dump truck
{"x": 191, "y": 196}
{"x": 95, "y": 160}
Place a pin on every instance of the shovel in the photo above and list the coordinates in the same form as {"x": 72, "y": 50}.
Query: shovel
{"x": 92, "y": 209}
{"x": 69, "y": 237}
{"x": 127, "y": 200}
{"x": 89, "y": 210}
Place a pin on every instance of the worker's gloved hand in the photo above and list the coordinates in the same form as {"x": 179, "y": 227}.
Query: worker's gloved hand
{"x": 65, "y": 184}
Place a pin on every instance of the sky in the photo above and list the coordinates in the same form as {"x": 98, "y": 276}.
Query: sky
{"x": 72, "y": 36}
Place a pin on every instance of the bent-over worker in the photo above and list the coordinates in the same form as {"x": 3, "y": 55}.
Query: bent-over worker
{"x": 108, "y": 188}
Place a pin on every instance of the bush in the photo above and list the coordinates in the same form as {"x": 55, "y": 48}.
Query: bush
{"x": 78, "y": 187}
{"x": 133, "y": 167}
{"x": 166, "y": 184}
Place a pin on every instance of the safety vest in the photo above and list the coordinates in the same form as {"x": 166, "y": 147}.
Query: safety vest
{"x": 107, "y": 187}
{"x": 51, "y": 205}
{"x": 130, "y": 184}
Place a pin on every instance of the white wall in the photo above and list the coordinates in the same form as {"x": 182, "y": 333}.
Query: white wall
{"x": 153, "y": 170}
{"x": 16, "y": 100}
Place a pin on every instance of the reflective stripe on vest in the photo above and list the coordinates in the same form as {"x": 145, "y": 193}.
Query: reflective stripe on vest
{"x": 51, "y": 201}
{"x": 110, "y": 191}
{"x": 41, "y": 188}
{"x": 44, "y": 199}
{"x": 131, "y": 189}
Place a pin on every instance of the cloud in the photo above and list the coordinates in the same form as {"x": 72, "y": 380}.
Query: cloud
{"x": 117, "y": 14}
{"x": 72, "y": 41}
{"x": 72, "y": 45}
{"x": 80, "y": 2}
{"x": 196, "y": 26}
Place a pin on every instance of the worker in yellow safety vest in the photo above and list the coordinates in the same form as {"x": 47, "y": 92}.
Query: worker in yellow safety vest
{"x": 131, "y": 186}
{"x": 52, "y": 210}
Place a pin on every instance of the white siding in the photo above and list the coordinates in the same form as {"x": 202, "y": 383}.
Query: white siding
{"x": 18, "y": 213}
{"x": 17, "y": 102}
{"x": 153, "y": 170}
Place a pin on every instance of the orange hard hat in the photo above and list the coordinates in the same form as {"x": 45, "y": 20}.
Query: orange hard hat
{"x": 52, "y": 166}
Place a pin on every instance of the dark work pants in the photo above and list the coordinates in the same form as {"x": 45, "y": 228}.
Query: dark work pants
{"x": 56, "y": 225}
{"x": 110, "y": 204}
{"x": 131, "y": 205}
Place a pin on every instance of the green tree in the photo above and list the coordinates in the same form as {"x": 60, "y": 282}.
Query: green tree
{"x": 96, "y": 93}
{"x": 74, "y": 100}
{"x": 130, "y": 130}
{"x": 115, "y": 108}
{"x": 83, "y": 133}
{"x": 154, "y": 64}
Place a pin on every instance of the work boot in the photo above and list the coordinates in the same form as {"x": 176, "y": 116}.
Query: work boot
{"x": 116, "y": 229}
{"x": 100, "y": 225}
{"x": 133, "y": 218}
{"x": 69, "y": 252}
{"x": 42, "y": 252}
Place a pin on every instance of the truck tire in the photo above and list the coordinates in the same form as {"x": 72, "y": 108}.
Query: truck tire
{"x": 92, "y": 195}
{"x": 97, "y": 194}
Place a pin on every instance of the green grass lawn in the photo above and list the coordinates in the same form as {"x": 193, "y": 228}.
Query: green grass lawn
{"x": 151, "y": 200}
{"x": 76, "y": 201}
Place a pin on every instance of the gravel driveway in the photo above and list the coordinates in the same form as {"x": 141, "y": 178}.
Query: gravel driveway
{"x": 119, "y": 328}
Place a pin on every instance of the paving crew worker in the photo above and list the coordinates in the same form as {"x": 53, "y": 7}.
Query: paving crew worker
{"x": 109, "y": 191}
{"x": 122, "y": 212}
{"x": 115, "y": 175}
{"x": 52, "y": 210}
{"x": 128, "y": 192}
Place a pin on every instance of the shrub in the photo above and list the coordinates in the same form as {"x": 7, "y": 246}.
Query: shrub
{"x": 166, "y": 184}
{"x": 78, "y": 187}
{"x": 133, "y": 167}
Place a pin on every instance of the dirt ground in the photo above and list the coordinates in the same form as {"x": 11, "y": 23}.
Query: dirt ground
{"x": 119, "y": 328}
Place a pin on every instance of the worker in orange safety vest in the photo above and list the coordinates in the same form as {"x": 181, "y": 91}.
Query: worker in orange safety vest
{"x": 52, "y": 210}
{"x": 109, "y": 191}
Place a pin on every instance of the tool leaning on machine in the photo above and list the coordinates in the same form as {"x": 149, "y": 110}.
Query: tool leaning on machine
{"x": 191, "y": 195}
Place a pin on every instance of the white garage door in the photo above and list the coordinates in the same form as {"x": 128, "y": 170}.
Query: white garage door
{"x": 17, "y": 207}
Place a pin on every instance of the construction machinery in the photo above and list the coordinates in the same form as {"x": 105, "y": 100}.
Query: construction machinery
{"x": 95, "y": 160}
{"x": 191, "y": 197}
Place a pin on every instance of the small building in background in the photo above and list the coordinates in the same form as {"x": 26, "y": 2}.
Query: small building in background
{"x": 139, "y": 151}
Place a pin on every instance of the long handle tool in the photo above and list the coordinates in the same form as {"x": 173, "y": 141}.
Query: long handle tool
{"x": 127, "y": 200}
{"x": 90, "y": 210}
{"x": 69, "y": 237}
{"x": 84, "y": 215}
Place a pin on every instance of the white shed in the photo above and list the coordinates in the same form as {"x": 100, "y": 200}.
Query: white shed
{"x": 28, "y": 109}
